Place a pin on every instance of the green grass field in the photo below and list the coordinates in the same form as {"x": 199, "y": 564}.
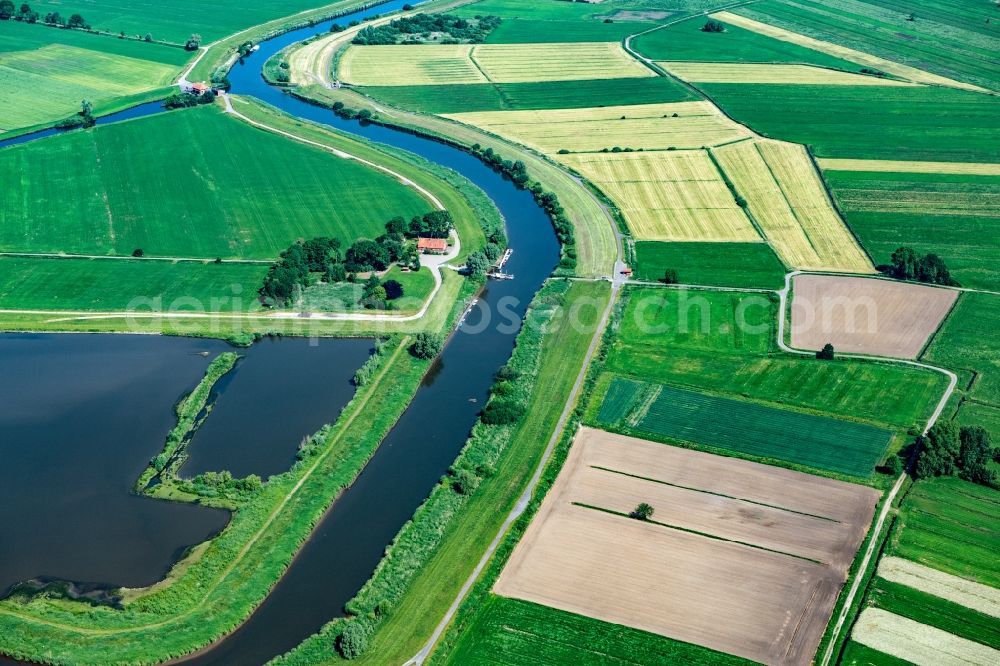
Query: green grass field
{"x": 525, "y": 30}
{"x": 856, "y": 654}
{"x": 45, "y": 72}
{"x": 915, "y": 123}
{"x": 175, "y": 20}
{"x": 750, "y": 265}
{"x": 513, "y": 632}
{"x": 735, "y": 425}
{"x": 190, "y": 183}
{"x": 685, "y": 41}
{"x": 963, "y": 343}
{"x": 723, "y": 342}
{"x": 546, "y": 95}
{"x": 341, "y": 296}
{"x": 949, "y": 37}
{"x": 935, "y": 611}
{"x": 954, "y": 216}
{"x": 142, "y": 284}
{"x": 951, "y": 525}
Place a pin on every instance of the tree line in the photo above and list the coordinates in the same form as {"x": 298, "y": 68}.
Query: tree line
{"x": 905, "y": 264}
{"x": 28, "y": 15}
{"x": 422, "y": 28}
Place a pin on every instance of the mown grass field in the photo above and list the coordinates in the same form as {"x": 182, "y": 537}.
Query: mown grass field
{"x": 396, "y": 65}
{"x": 717, "y": 72}
{"x": 544, "y": 95}
{"x": 109, "y": 284}
{"x": 815, "y": 441}
{"x": 723, "y": 342}
{"x": 949, "y": 38}
{"x": 953, "y": 526}
{"x": 786, "y": 198}
{"x": 513, "y": 632}
{"x": 951, "y": 126}
{"x": 935, "y": 612}
{"x": 45, "y": 73}
{"x": 175, "y": 20}
{"x": 667, "y": 196}
{"x": 341, "y": 296}
{"x": 956, "y": 216}
{"x": 750, "y": 265}
{"x": 646, "y": 126}
{"x": 191, "y": 183}
{"x": 686, "y": 41}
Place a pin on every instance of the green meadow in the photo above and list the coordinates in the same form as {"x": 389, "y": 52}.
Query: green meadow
{"x": 191, "y": 183}
{"x": 964, "y": 342}
{"x": 748, "y": 265}
{"x": 511, "y": 632}
{"x": 724, "y": 342}
{"x": 951, "y": 525}
{"x": 861, "y": 122}
{"x": 954, "y": 216}
{"x": 28, "y": 283}
{"x": 954, "y": 38}
{"x": 545, "y": 95}
{"x": 46, "y": 72}
{"x": 685, "y": 41}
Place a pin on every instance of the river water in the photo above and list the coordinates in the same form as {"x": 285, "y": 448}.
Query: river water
{"x": 350, "y": 540}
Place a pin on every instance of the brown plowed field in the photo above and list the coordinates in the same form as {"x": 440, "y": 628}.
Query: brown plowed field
{"x": 739, "y": 557}
{"x": 866, "y": 316}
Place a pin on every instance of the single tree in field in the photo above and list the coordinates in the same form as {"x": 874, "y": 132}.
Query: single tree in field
{"x": 826, "y": 353}
{"x": 642, "y": 512}
{"x": 427, "y": 345}
{"x": 713, "y": 26}
{"x": 193, "y": 43}
{"x": 352, "y": 641}
{"x": 137, "y": 252}
{"x": 149, "y": 37}
{"x": 76, "y": 21}
{"x": 670, "y": 276}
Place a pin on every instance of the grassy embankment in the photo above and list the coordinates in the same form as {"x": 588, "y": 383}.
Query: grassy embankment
{"x": 435, "y": 553}
{"x": 215, "y": 591}
{"x": 191, "y": 412}
{"x": 723, "y": 344}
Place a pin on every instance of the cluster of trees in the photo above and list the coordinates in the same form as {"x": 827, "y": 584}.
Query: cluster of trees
{"x": 427, "y": 345}
{"x": 83, "y": 118}
{"x": 549, "y": 202}
{"x": 222, "y": 484}
{"x": 182, "y": 100}
{"x": 907, "y": 265}
{"x": 947, "y": 450}
{"x": 346, "y": 112}
{"x": 193, "y": 42}
{"x": 376, "y": 294}
{"x": 642, "y": 511}
{"x": 295, "y": 268}
{"x": 424, "y": 27}
{"x": 713, "y": 26}
{"x": 27, "y": 14}
{"x": 479, "y": 262}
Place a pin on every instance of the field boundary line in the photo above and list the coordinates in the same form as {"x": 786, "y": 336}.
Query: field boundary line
{"x": 876, "y": 530}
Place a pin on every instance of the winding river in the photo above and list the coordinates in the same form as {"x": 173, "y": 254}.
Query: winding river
{"x": 349, "y": 541}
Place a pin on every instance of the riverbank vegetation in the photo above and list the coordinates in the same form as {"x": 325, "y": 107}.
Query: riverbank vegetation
{"x": 218, "y": 588}
{"x": 436, "y": 551}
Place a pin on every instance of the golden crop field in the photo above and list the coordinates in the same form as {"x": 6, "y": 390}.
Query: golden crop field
{"x": 400, "y": 65}
{"x": 902, "y": 166}
{"x": 519, "y": 63}
{"x": 667, "y": 196}
{"x": 852, "y": 55}
{"x": 736, "y": 554}
{"x": 729, "y": 72}
{"x": 918, "y": 643}
{"x": 788, "y": 201}
{"x": 647, "y": 126}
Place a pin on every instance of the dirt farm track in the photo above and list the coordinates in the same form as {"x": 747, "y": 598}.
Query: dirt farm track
{"x": 866, "y": 316}
{"x": 739, "y": 557}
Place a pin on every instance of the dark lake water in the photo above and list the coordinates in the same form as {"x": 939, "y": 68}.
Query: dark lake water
{"x": 350, "y": 540}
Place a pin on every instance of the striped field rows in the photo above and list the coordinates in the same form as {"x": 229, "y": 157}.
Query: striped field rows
{"x": 764, "y": 73}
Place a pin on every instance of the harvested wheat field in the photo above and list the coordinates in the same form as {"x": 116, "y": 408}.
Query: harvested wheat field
{"x": 667, "y": 196}
{"x": 788, "y": 201}
{"x": 738, "y": 556}
{"x": 978, "y": 597}
{"x": 400, "y": 65}
{"x": 918, "y": 643}
{"x": 902, "y": 166}
{"x": 646, "y": 126}
{"x": 729, "y": 72}
{"x": 836, "y": 50}
{"x": 866, "y": 316}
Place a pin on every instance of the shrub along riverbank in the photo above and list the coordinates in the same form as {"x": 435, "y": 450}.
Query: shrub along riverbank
{"x": 436, "y": 551}
{"x": 214, "y": 591}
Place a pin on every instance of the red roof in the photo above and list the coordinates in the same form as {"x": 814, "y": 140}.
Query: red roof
{"x": 432, "y": 243}
{"x": 200, "y": 87}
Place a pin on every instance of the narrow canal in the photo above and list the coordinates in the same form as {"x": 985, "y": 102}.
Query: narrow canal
{"x": 350, "y": 540}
